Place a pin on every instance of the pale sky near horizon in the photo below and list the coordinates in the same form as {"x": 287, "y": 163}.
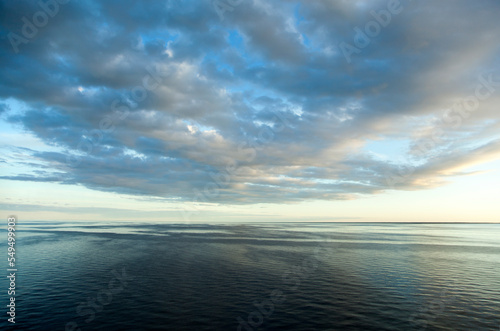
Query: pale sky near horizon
{"x": 250, "y": 110}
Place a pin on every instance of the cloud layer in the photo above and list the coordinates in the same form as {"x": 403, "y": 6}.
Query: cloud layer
{"x": 255, "y": 102}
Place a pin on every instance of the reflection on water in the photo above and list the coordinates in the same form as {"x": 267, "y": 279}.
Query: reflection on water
{"x": 332, "y": 276}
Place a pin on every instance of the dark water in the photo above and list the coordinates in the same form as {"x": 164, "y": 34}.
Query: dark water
{"x": 278, "y": 276}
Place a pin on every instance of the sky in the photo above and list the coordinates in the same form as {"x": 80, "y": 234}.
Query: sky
{"x": 250, "y": 110}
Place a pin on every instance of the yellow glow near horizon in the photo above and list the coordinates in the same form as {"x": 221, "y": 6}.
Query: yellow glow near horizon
{"x": 465, "y": 199}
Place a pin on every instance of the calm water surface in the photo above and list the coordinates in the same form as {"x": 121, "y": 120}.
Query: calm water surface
{"x": 274, "y": 276}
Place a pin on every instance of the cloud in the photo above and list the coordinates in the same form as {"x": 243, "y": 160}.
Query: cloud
{"x": 167, "y": 100}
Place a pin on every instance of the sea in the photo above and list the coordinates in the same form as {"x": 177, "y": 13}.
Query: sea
{"x": 255, "y": 276}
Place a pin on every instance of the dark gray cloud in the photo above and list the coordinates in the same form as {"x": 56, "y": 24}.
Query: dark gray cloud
{"x": 166, "y": 99}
